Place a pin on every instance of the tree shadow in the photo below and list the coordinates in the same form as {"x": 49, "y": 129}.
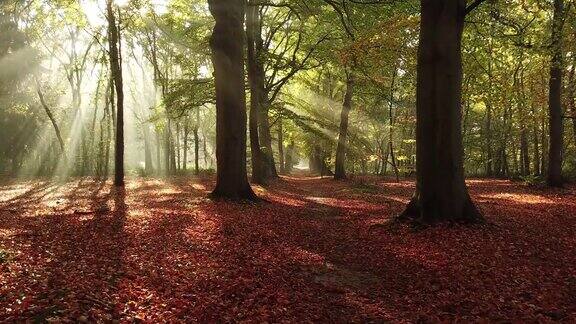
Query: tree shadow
{"x": 71, "y": 263}
{"x": 35, "y": 194}
{"x": 163, "y": 252}
{"x": 387, "y": 275}
{"x": 302, "y": 267}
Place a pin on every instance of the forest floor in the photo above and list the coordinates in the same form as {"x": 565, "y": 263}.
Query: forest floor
{"x": 162, "y": 251}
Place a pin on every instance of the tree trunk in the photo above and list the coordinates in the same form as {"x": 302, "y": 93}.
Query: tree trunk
{"x": 116, "y": 70}
{"x": 256, "y": 79}
{"x": 185, "y": 160}
{"x": 158, "y": 153}
{"x": 554, "y": 177}
{"x": 205, "y": 152}
{"x": 148, "y": 167}
{"x": 571, "y": 94}
{"x": 227, "y": 46}
{"x": 391, "y": 122}
{"x": 109, "y": 127}
{"x": 315, "y": 160}
{"x": 197, "y": 144}
{"x": 196, "y": 150}
{"x": 384, "y": 166}
{"x": 393, "y": 160}
{"x": 441, "y": 193}
{"x": 167, "y": 148}
{"x": 50, "y": 116}
{"x": 536, "y": 155}
{"x": 516, "y": 165}
{"x": 524, "y": 154}
{"x": 281, "y": 146}
{"x": 489, "y": 155}
{"x": 177, "y": 148}
{"x": 488, "y": 102}
{"x": 289, "y": 163}
{"x": 172, "y": 144}
{"x": 266, "y": 139}
{"x": 341, "y": 148}
{"x": 543, "y": 159}
{"x": 104, "y": 121}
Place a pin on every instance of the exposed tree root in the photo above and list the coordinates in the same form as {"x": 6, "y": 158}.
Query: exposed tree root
{"x": 419, "y": 217}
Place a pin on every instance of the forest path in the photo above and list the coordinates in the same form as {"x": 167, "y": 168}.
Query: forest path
{"x": 160, "y": 250}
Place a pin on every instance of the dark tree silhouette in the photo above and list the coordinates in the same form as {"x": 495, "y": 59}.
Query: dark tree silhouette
{"x": 227, "y": 44}
{"x": 341, "y": 148}
{"x": 116, "y": 70}
{"x": 554, "y": 178}
{"x": 256, "y": 79}
{"x": 441, "y": 193}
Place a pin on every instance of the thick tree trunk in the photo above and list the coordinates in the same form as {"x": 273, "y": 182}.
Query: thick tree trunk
{"x": 227, "y": 45}
{"x": 116, "y": 70}
{"x": 441, "y": 193}
{"x": 341, "y": 148}
{"x": 256, "y": 79}
{"x": 554, "y": 177}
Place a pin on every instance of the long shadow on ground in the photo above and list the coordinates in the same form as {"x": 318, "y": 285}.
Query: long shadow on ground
{"x": 162, "y": 251}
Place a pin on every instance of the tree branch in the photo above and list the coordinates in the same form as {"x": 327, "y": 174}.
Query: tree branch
{"x": 473, "y": 6}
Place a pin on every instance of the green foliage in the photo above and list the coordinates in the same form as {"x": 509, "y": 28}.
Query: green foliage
{"x": 532, "y": 180}
{"x": 308, "y": 47}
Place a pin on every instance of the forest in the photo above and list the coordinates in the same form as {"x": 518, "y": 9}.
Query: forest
{"x": 330, "y": 161}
